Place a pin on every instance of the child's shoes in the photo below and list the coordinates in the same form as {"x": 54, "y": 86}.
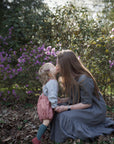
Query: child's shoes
{"x": 36, "y": 141}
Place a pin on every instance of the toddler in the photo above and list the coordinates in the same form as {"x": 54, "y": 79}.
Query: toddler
{"x": 47, "y": 101}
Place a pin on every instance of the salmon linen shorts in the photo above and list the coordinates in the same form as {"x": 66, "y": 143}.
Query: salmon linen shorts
{"x": 44, "y": 108}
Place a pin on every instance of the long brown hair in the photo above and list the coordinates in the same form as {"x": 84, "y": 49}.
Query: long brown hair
{"x": 71, "y": 68}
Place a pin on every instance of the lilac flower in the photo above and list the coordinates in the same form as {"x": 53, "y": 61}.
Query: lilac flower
{"x": 13, "y": 92}
{"x": 37, "y": 77}
{"x": 1, "y": 65}
{"x": 18, "y": 65}
{"x": 46, "y": 58}
{"x": 42, "y": 47}
{"x": 19, "y": 60}
{"x": 20, "y": 69}
{"x": 25, "y": 49}
{"x": 27, "y": 85}
{"x": 20, "y": 49}
{"x": 31, "y": 42}
{"x": 13, "y": 70}
{"x": 37, "y": 61}
{"x": 53, "y": 51}
{"x": 10, "y": 49}
{"x": 48, "y": 48}
{"x": 34, "y": 51}
{"x": 14, "y": 52}
{"x": 16, "y": 85}
{"x": 8, "y": 92}
{"x": 29, "y": 92}
{"x": 31, "y": 54}
{"x": 48, "y": 53}
{"x": 112, "y": 29}
{"x": 111, "y": 63}
{"x": 11, "y": 76}
{"x": 23, "y": 60}
{"x": 1, "y": 37}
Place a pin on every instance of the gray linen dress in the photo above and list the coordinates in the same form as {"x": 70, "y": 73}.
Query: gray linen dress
{"x": 85, "y": 124}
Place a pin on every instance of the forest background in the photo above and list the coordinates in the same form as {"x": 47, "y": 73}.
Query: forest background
{"x": 31, "y": 33}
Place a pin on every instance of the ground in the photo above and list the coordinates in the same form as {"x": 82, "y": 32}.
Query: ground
{"x": 19, "y": 124}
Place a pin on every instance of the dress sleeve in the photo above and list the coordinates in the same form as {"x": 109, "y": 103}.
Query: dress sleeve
{"x": 86, "y": 90}
{"x": 53, "y": 92}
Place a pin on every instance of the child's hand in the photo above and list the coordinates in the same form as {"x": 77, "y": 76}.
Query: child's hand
{"x": 61, "y": 108}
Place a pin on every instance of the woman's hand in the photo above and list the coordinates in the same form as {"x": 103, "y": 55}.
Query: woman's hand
{"x": 61, "y": 108}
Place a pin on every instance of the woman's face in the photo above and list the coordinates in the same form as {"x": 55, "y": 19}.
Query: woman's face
{"x": 57, "y": 67}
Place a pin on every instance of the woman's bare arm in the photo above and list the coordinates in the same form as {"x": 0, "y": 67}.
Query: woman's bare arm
{"x": 72, "y": 107}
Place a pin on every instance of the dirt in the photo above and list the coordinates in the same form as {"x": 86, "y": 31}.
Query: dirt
{"x": 19, "y": 125}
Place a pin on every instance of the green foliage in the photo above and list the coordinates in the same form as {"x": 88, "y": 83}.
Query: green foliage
{"x": 29, "y": 19}
{"x": 72, "y": 28}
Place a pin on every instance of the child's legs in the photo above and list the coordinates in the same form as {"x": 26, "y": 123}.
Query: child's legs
{"x": 46, "y": 122}
{"x": 42, "y": 128}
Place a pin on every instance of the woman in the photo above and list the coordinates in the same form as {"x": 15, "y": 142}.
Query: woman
{"x": 84, "y": 114}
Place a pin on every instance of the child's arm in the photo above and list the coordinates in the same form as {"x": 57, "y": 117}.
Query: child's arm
{"x": 53, "y": 93}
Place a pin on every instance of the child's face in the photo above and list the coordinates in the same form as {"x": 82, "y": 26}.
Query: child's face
{"x": 53, "y": 71}
{"x": 57, "y": 67}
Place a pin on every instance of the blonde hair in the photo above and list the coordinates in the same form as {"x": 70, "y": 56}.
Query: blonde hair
{"x": 44, "y": 71}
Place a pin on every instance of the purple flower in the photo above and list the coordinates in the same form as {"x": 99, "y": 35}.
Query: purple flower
{"x": 19, "y": 60}
{"x": 29, "y": 92}
{"x": 20, "y": 69}
{"x": 31, "y": 54}
{"x": 1, "y": 65}
{"x": 13, "y": 92}
{"x": 10, "y": 49}
{"x": 48, "y": 48}
{"x": 111, "y": 63}
{"x": 16, "y": 85}
{"x": 10, "y": 32}
{"x": 11, "y": 76}
{"x": 53, "y": 51}
{"x": 46, "y": 58}
{"x": 27, "y": 85}
{"x": 18, "y": 65}
{"x": 14, "y": 52}
{"x": 43, "y": 63}
{"x": 8, "y": 92}
{"x": 13, "y": 70}
{"x": 1, "y": 37}
{"x": 37, "y": 62}
{"x": 48, "y": 53}
{"x": 37, "y": 77}
{"x": 34, "y": 51}
{"x": 25, "y": 49}
{"x": 20, "y": 49}
{"x": 112, "y": 29}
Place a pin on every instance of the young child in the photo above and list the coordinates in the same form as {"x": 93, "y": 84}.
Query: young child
{"x": 47, "y": 100}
